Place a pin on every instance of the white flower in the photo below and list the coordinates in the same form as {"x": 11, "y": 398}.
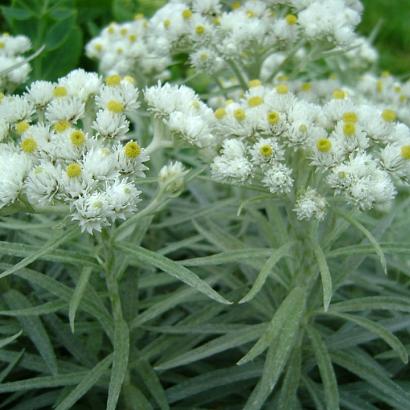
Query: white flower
{"x": 122, "y": 197}
{"x": 93, "y": 211}
{"x": 42, "y": 184}
{"x": 310, "y": 205}
{"x": 232, "y": 165}
{"x": 278, "y": 179}
{"x": 41, "y": 92}
{"x": 14, "y": 167}
{"x": 65, "y": 109}
{"x": 111, "y": 125}
{"x": 171, "y": 176}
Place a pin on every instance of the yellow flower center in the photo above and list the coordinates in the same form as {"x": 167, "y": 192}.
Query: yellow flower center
{"x": 61, "y": 126}
{"x": 405, "y": 151}
{"x": 350, "y": 117}
{"x": 167, "y": 23}
{"x": 255, "y": 101}
{"x": 235, "y": 5}
{"x": 98, "y": 47}
{"x": 266, "y": 151}
{"x": 60, "y": 91}
{"x": 379, "y": 86}
{"x": 187, "y": 14}
{"x": 204, "y": 57}
{"x": 132, "y": 150}
{"x": 339, "y": 94}
{"x": 306, "y": 87}
{"x": 124, "y": 31}
{"x": 2, "y": 45}
{"x": 291, "y": 19}
{"x": 303, "y": 128}
{"x": 349, "y": 129}
{"x": 385, "y": 74}
{"x": 115, "y": 106}
{"x": 250, "y": 13}
{"x": 129, "y": 79}
{"x": 273, "y": 117}
{"x": 282, "y": 89}
{"x": 138, "y": 16}
{"x": 323, "y": 145}
{"x": 132, "y": 38}
{"x": 77, "y": 138}
{"x": 200, "y": 30}
{"x": 111, "y": 29}
{"x": 22, "y": 127}
{"x": 254, "y": 83}
{"x": 73, "y": 170}
{"x": 113, "y": 80}
{"x": 239, "y": 114}
{"x": 28, "y": 145}
{"x": 389, "y": 115}
{"x": 220, "y": 113}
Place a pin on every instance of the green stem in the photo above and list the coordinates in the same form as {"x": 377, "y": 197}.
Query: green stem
{"x": 111, "y": 278}
{"x": 242, "y": 81}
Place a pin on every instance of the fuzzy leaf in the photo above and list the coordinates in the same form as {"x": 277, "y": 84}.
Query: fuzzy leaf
{"x": 34, "y": 329}
{"x": 275, "y": 257}
{"x": 85, "y": 384}
{"x": 291, "y": 310}
{"x": 325, "y": 275}
{"x": 148, "y": 257}
{"x": 77, "y": 295}
{"x": 327, "y": 373}
{"x": 120, "y": 363}
{"x": 380, "y": 331}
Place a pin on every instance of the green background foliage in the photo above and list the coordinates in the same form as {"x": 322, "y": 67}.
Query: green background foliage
{"x": 393, "y": 39}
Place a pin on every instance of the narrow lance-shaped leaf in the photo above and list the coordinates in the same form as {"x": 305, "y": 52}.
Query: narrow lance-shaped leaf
{"x": 120, "y": 363}
{"x": 34, "y": 329}
{"x": 174, "y": 269}
{"x": 397, "y": 303}
{"x": 379, "y": 330}
{"x": 277, "y": 254}
{"x": 51, "y": 244}
{"x": 327, "y": 373}
{"x": 325, "y": 275}
{"x": 276, "y": 359}
{"x": 290, "y": 385}
{"x": 85, "y": 384}
{"x": 369, "y": 236}
{"x": 10, "y": 339}
{"x": 77, "y": 295}
{"x": 291, "y": 309}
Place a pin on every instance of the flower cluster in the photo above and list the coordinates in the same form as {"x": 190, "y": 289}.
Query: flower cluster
{"x": 68, "y": 143}
{"x": 305, "y": 150}
{"x": 129, "y": 49}
{"x": 14, "y": 70}
{"x": 387, "y": 90}
{"x": 216, "y": 38}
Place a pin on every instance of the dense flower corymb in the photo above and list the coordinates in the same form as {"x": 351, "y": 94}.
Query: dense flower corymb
{"x": 68, "y": 143}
